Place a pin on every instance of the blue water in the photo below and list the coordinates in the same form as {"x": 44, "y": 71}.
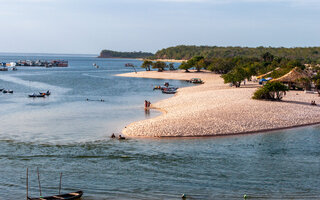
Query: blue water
{"x": 65, "y": 133}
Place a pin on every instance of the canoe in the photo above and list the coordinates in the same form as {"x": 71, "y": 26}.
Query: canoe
{"x": 69, "y": 196}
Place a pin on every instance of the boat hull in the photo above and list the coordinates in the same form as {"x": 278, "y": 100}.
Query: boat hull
{"x": 68, "y": 196}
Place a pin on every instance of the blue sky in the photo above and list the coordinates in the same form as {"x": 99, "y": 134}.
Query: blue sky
{"x": 88, "y": 26}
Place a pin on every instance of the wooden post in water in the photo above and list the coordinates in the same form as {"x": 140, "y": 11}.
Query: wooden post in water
{"x": 27, "y": 184}
{"x": 60, "y": 182}
{"x": 39, "y": 181}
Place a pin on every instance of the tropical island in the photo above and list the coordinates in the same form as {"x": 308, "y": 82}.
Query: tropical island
{"x": 242, "y": 94}
{"x": 118, "y": 54}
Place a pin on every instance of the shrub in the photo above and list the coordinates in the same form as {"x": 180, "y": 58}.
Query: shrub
{"x": 271, "y": 91}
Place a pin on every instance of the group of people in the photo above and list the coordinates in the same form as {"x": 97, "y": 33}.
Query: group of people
{"x": 147, "y": 104}
{"x": 120, "y": 137}
{"x": 313, "y": 103}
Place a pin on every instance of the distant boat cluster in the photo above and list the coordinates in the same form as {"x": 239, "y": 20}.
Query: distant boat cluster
{"x": 34, "y": 63}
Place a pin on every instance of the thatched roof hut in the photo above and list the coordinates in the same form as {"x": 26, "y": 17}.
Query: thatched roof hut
{"x": 264, "y": 75}
{"x": 292, "y": 77}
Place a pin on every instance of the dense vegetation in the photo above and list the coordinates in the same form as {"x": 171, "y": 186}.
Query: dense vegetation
{"x": 237, "y": 69}
{"x": 307, "y": 54}
{"x": 117, "y": 54}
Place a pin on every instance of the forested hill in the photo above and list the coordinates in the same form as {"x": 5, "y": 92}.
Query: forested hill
{"x": 117, "y": 54}
{"x": 187, "y": 52}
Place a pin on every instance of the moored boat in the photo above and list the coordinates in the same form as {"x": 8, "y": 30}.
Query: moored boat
{"x": 169, "y": 90}
{"x": 68, "y": 196}
{"x": 36, "y": 95}
{"x": 45, "y": 93}
{"x": 196, "y": 81}
{"x": 8, "y": 91}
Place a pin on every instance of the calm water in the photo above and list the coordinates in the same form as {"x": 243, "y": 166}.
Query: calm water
{"x": 65, "y": 133}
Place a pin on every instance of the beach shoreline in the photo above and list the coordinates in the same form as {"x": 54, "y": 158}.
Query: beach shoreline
{"x": 215, "y": 109}
{"x": 164, "y": 60}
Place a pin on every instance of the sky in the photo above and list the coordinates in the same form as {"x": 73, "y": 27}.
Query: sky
{"x": 88, "y": 26}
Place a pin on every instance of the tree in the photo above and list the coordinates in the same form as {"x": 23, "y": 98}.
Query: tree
{"x": 159, "y": 65}
{"x": 185, "y": 66}
{"x": 267, "y": 57}
{"x": 147, "y": 64}
{"x": 236, "y": 76}
{"x": 131, "y": 65}
{"x": 271, "y": 91}
{"x": 200, "y": 65}
{"x": 171, "y": 67}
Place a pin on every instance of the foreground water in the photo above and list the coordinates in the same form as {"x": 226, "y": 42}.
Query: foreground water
{"x": 65, "y": 133}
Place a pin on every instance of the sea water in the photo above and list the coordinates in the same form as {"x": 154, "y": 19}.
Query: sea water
{"x": 66, "y": 133}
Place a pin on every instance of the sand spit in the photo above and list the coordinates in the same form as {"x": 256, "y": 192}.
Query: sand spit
{"x": 214, "y": 108}
{"x": 165, "y": 60}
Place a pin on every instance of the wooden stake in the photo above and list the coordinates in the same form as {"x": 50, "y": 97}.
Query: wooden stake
{"x": 39, "y": 181}
{"x": 27, "y": 184}
{"x": 60, "y": 182}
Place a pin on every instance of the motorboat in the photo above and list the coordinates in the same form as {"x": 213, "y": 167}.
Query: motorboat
{"x": 47, "y": 93}
{"x": 34, "y": 95}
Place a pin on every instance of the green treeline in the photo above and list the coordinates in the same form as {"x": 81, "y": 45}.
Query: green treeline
{"x": 117, "y": 54}
{"x": 305, "y": 54}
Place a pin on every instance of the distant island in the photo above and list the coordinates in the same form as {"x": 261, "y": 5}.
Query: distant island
{"x": 117, "y": 54}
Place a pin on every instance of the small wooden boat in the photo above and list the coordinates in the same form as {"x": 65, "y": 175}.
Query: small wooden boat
{"x": 69, "y": 196}
{"x": 1, "y": 89}
{"x": 36, "y": 95}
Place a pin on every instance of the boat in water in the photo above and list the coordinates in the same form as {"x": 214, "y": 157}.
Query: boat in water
{"x": 8, "y": 91}
{"x": 196, "y": 81}
{"x": 68, "y": 196}
{"x": 47, "y": 93}
{"x": 36, "y": 95}
{"x": 169, "y": 90}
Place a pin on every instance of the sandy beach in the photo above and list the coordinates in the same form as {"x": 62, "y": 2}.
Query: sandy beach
{"x": 214, "y": 108}
{"x": 166, "y": 60}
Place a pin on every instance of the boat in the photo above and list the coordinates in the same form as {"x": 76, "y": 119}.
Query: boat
{"x": 45, "y": 93}
{"x": 68, "y": 196}
{"x": 36, "y": 95}
{"x": 1, "y": 89}
{"x": 8, "y": 91}
{"x": 169, "y": 90}
{"x": 3, "y": 69}
{"x": 59, "y": 63}
{"x": 196, "y": 81}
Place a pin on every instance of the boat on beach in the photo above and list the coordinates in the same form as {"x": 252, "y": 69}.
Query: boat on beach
{"x": 68, "y": 196}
